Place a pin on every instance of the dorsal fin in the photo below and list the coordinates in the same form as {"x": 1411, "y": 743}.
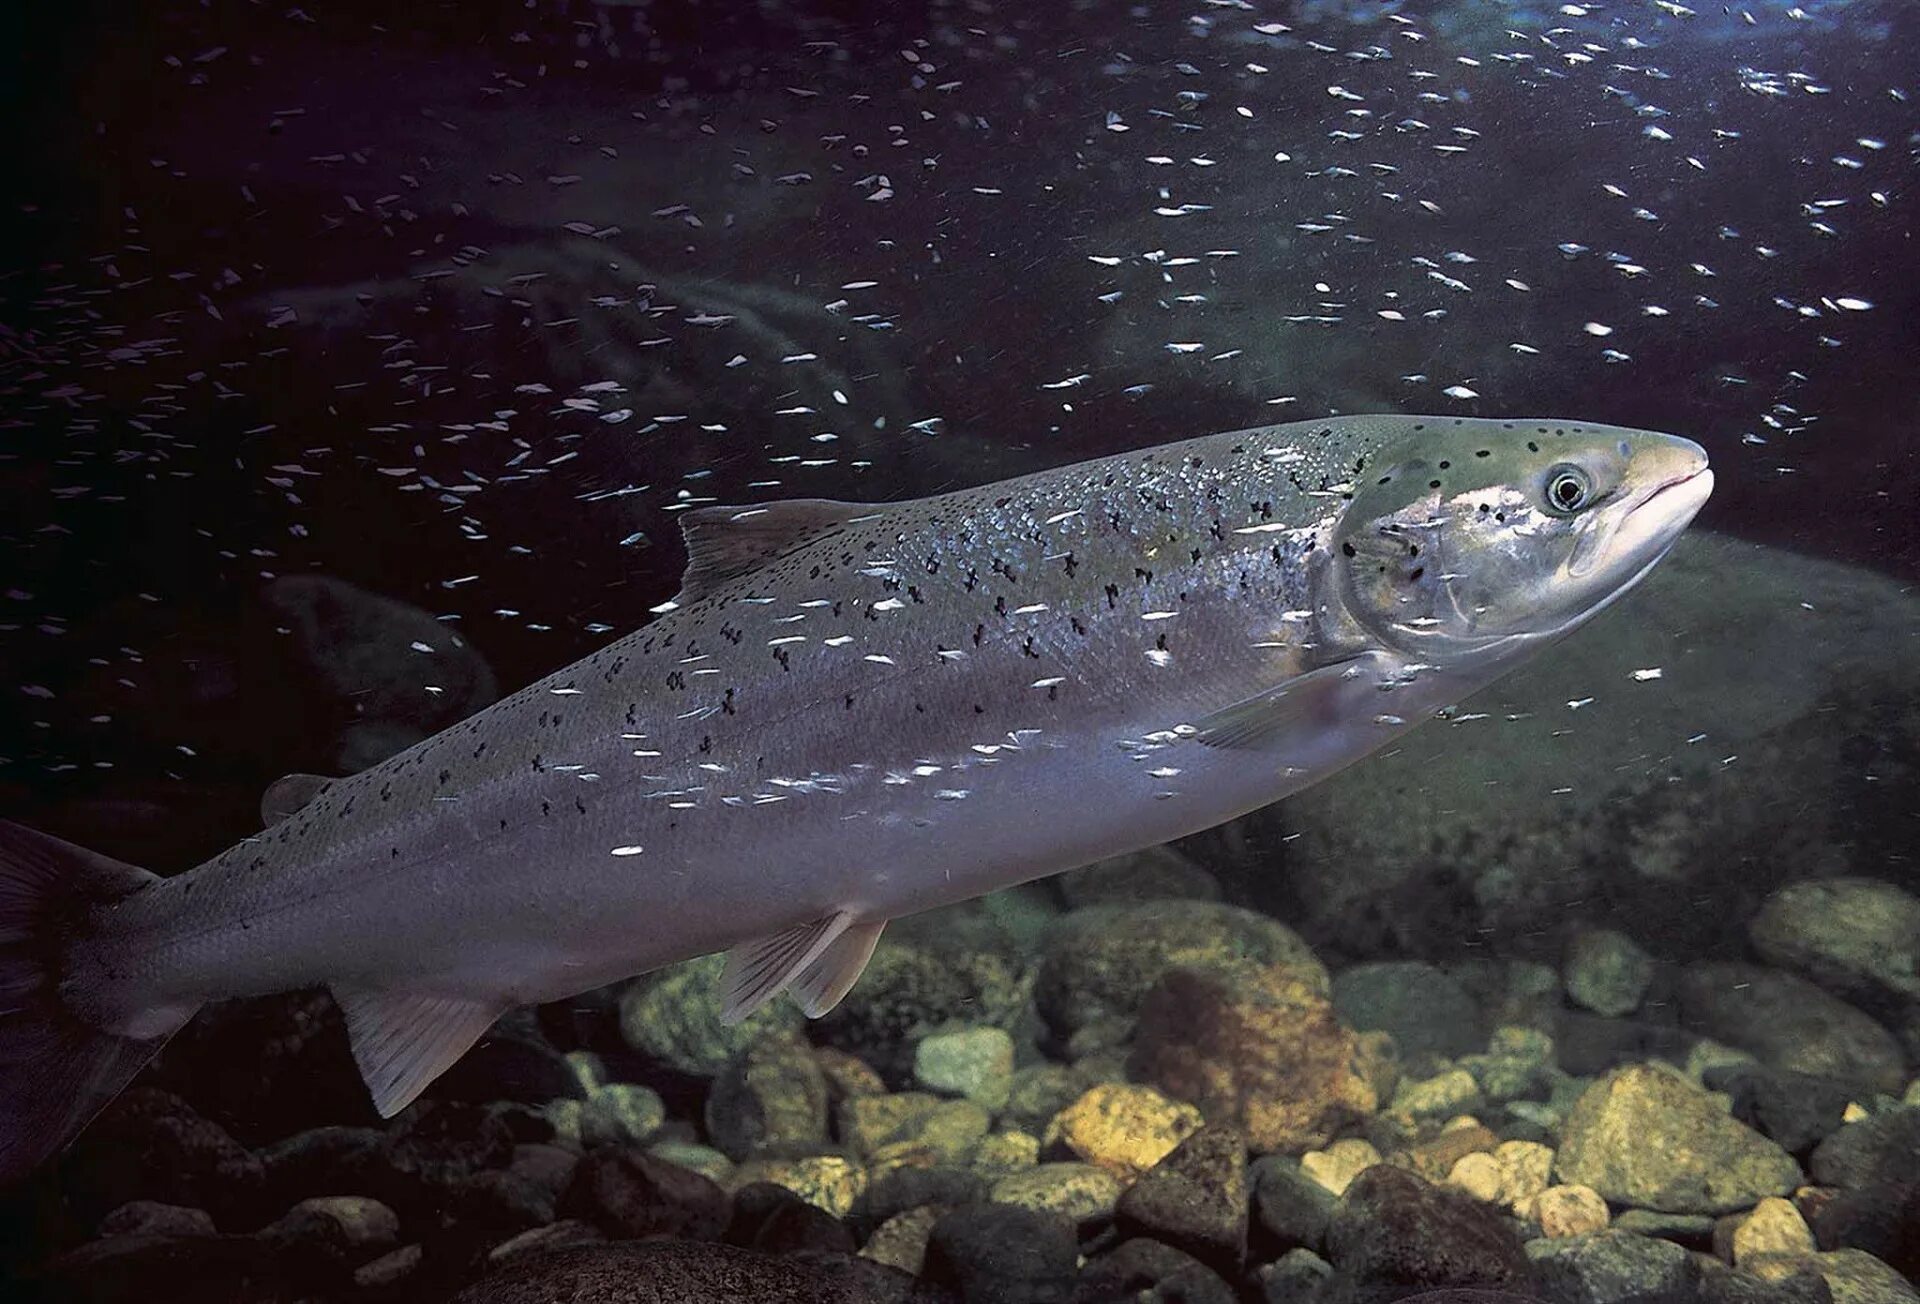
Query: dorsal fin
{"x": 724, "y": 543}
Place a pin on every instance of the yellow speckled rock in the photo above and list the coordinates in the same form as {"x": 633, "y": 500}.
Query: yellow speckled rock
{"x": 1004, "y": 1152}
{"x": 1337, "y": 1165}
{"x": 901, "y": 1241}
{"x": 1084, "y": 1192}
{"x": 1565, "y": 1211}
{"x": 1775, "y": 1227}
{"x": 828, "y": 1182}
{"x": 1123, "y": 1127}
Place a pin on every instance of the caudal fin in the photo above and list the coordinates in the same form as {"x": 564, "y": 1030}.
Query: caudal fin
{"x": 56, "y": 1069}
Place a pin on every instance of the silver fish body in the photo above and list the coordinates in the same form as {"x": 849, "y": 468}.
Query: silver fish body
{"x": 860, "y": 711}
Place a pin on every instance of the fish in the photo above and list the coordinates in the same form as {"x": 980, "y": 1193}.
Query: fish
{"x": 850, "y": 713}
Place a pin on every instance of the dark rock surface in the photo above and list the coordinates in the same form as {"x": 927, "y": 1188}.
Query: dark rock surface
{"x": 991, "y": 1253}
{"x": 1195, "y": 1199}
{"x": 629, "y": 1193}
{"x": 1393, "y": 1231}
{"x": 1425, "y": 1009}
{"x": 688, "y": 1272}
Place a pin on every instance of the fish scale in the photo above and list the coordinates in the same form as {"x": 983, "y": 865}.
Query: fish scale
{"x": 857, "y": 711}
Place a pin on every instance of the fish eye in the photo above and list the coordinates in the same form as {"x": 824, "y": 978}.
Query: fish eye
{"x": 1568, "y": 489}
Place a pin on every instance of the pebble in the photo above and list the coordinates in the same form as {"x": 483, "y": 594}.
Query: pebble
{"x": 1606, "y": 971}
{"x": 630, "y": 1194}
{"x": 771, "y": 1095}
{"x": 1856, "y": 1277}
{"x": 1645, "y": 1136}
{"x": 1038, "y": 1092}
{"x": 1613, "y": 1267}
{"x": 1774, "y": 1228}
{"x": 1263, "y": 1050}
{"x": 848, "y": 1075}
{"x": 991, "y": 1252}
{"x": 869, "y": 1122}
{"x": 1296, "y": 1277}
{"x": 1392, "y": 1227}
{"x": 1290, "y": 1209}
{"x": 153, "y": 1218}
{"x": 1797, "y": 1110}
{"x": 1123, "y": 1127}
{"x": 770, "y": 1218}
{"x": 830, "y": 1182}
{"x": 673, "y": 1016}
{"x": 1426, "y": 1010}
{"x": 1856, "y": 936}
{"x": 390, "y": 1269}
{"x": 1194, "y": 1200}
{"x": 705, "y": 1160}
{"x": 1788, "y": 1023}
{"x": 901, "y": 1241}
{"x": 895, "y": 1192}
{"x": 618, "y": 1113}
{"x": 976, "y": 1063}
{"x": 1143, "y": 1269}
{"x": 358, "y": 1222}
{"x": 1564, "y": 1211}
{"x": 1083, "y": 1192}
{"x": 1007, "y": 1151}
{"x": 1452, "y": 1092}
{"x": 1334, "y": 1168}
{"x": 1880, "y": 1149}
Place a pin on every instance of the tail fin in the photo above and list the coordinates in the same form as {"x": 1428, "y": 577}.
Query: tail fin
{"x": 56, "y": 1069}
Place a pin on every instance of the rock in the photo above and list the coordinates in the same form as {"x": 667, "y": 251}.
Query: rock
{"x": 1150, "y": 874}
{"x": 996, "y": 1252}
{"x": 325, "y": 1160}
{"x": 1613, "y": 1267}
{"x": 1123, "y": 1127}
{"x": 771, "y": 1096}
{"x": 496, "y": 1203}
{"x": 1084, "y": 1192}
{"x": 1334, "y": 1168}
{"x": 1590, "y": 1044}
{"x": 355, "y": 1221}
{"x": 1564, "y": 1211}
{"x": 1790, "y": 1024}
{"x": 1644, "y": 1136}
{"x": 830, "y": 1182}
{"x": 1774, "y": 1227}
{"x": 1145, "y": 1270}
{"x": 1425, "y": 1009}
{"x": 1394, "y": 1231}
{"x": 973, "y": 1062}
{"x": 548, "y": 1167}
{"x": 565, "y": 1234}
{"x": 1882, "y": 1219}
{"x": 953, "y": 1131}
{"x": 705, "y": 1160}
{"x": 901, "y": 1241}
{"x": 847, "y": 1075}
{"x": 1002, "y": 1153}
{"x": 631, "y": 1194}
{"x": 1440, "y": 1096}
{"x": 1290, "y": 1208}
{"x": 1511, "y": 1175}
{"x": 1723, "y": 1285}
{"x": 1296, "y": 1277}
{"x": 151, "y": 1145}
{"x": 139, "y": 1269}
{"x": 1796, "y": 1110}
{"x": 152, "y": 1218}
{"x": 673, "y": 1016}
{"x": 512, "y": 1062}
{"x": 869, "y": 1122}
{"x": 1856, "y": 1277}
{"x": 1040, "y": 1091}
{"x": 684, "y": 1272}
{"x": 1606, "y": 971}
{"x": 1856, "y": 936}
{"x": 1881, "y": 1149}
{"x": 1103, "y": 960}
{"x": 914, "y": 988}
{"x": 1194, "y": 1200}
{"x": 1692, "y": 1229}
{"x": 1261, "y": 1051}
{"x": 1518, "y": 1063}
{"x": 774, "y": 1220}
{"x": 902, "y": 1189}
{"x": 389, "y": 1270}
{"x": 621, "y": 1113}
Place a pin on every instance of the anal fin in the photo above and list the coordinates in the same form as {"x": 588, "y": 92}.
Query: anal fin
{"x": 757, "y": 971}
{"x": 825, "y": 983}
{"x": 404, "y": 1040}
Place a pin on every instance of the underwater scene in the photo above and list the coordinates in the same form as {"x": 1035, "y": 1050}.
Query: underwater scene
{"x": 960, "y": 652}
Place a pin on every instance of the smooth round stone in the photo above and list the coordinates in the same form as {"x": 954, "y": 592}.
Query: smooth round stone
{"x": 1775, "y": 1227}
{"x": 1124, "y": 1127}
{"x": 1564, "y": 1211}
{"x": 1335, "y": 1167}
{"x": 1084, "y": 1192}
{"x": 621, "y": 1112}
{"x": 1606, "y": 971}
{"x": 976, "y": 1063}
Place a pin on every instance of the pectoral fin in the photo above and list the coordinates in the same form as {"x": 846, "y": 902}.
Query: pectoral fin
{"x": 807, "y": 954}
{"x": 826, "y": 982}
{"x": 404, "y": 1040}
{"x": 1303, "y": 705}
{"x": 287, "y": 794}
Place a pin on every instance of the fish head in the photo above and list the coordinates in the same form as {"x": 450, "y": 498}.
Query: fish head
{"x": 1470, "y": 541}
